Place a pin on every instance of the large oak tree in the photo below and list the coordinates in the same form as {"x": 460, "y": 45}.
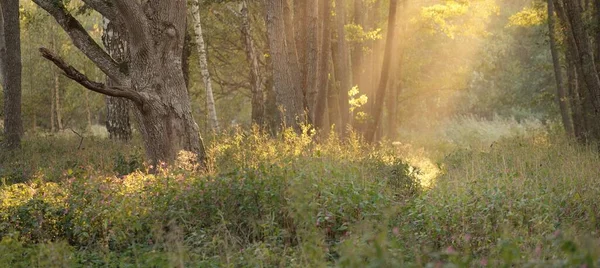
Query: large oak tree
{"x": 152, "y": 80}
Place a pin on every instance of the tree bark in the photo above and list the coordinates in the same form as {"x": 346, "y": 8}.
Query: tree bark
{"x": 323, "y": 71}
{"x": 385, "y": 70}
{"x": 343, "y": 71}
{"x": 561, "y": 94}
{"x": 117, "y": 109}
{"x": 258, "y": 99}
{"x": 57, "y": 102}
{"x": 210, "y": 99}
{"x": 11, "y": 66}
{"x": 288, "y": 96}
{"x": 312, "y": 56}
{"x": 333, "y": 98}
{"x": 153, "y": 80}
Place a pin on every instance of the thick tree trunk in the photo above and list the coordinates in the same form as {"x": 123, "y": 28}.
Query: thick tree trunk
{"x": 321, "y": 105}
{"x": 343, "y": 71}
{"x": 258, "y": 99}
{"x": 154, "y": 80}
{"x": 288, "y": 95}
{"x": 312, "y": 56}
{"x": 117, "y": 109}
{"x": 580, "y": 47}
{"x": 210, "y": 100}
{"x": 385, "y": 71}
{"x": 561, "y": 94}
{"x": 11, "y": 66}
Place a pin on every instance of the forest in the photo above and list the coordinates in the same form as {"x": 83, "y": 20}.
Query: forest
{"x": 299, "y": 133}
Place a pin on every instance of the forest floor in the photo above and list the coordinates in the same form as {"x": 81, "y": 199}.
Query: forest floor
{"x": 469, "y": 194}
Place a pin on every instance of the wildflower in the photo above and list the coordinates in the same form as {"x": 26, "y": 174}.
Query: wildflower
{"x": 450, "y": 250}
{"x": 396, "y": 231}
{"x": 467, "y": 238}
{"x": 483, "y": 262}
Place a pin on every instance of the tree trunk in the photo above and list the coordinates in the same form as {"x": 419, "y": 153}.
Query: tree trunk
{"x": 300, "y": 31}
{"x": 288, "y": 96}
{"x": 561, "y": 93}
{"x": 258, "y": 99}
{"x": 210, "y": 100}
{"x": 343, "y": 71}
{"x": 385, "y": 70}
{"x": 117, "y": 109}
{"x": 57, "y": 102}
{"x": 580, "y": 46}
{"x": 11, "y": 66}
{"x": 154, "y": 80}
{"x": 321, "y": 105}
{"x": 333, "y": 98}
{"x": 312, "y": 56}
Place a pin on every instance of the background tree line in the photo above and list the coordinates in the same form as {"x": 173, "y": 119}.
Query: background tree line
{"x": 374, "y": 66}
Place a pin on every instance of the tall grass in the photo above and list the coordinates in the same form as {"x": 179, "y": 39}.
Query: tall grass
{"x": 528, "y": 198}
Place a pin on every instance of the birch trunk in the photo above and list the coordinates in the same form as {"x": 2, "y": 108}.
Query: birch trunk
{"x": 210, "y": 100}
{"x": 117, "y": 109}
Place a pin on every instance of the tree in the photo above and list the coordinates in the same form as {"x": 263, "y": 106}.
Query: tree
{"x": 258, "y": 99}
{"x": 323, "y": 70}
{"x": 210, "y": 99}
{"x": 385, "y": 72}
{"x": 153, "y": 80}
{"x": 560, "y": 87}
{"x": 312, "y": 56}
{"x": 117, "y": 109}
{"x": 341, "y": 59}
{"x": 10, "y": 67}
{"x": 288, "y": 94}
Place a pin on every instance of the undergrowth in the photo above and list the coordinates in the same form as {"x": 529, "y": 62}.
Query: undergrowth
{"x": 527, "y": 200}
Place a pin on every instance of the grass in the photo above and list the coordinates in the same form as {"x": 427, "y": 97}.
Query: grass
{"x": 528, "y": 199}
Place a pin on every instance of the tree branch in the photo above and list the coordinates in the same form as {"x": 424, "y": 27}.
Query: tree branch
{"x": 83, "y": 40}
{"x": 83, "y": 80}
{"x": 105, "y": 8}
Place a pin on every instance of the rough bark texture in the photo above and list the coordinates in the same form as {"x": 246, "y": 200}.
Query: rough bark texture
{"x": 385, "y": 70}
{"x": 117, "y": 109}
{"x": 288, "y": 96}
{"x": 561, "y": 93}
{"x": 312, "y": 56}
{"x": 582, "y": 58}
{"x": 258, "y": 99}
{"x": 321, "y": 105}
{"x": 291, "y": 48}
{"x": 154, "y": 80}
{"x": 210, "y": 99}
{"x": 10, "y": 60}
{"x": 343, "y": 70}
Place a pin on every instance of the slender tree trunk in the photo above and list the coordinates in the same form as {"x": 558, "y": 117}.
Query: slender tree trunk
{"x": 210, "y": 100}
{"x": 258, "y": 99}
{"x": 288, "y": 95}
{"x": 53, "y": 108}
{"x": 321, "y": 105}
{"x": 57, "y": 102}
{"x": 561, "y": 92}
{"x": 312, "y": 56}
{"x": 88, "y": 111}
{"x": 385, "y": 70}
{"x": 579, "y": 122}
{"x": 118, "y": 124}
{"x": 343, "y": 70}
{"x": 333, "y": 98}
{"x": 11, "y": 66}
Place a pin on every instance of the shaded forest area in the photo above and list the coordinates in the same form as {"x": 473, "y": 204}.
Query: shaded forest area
{"x": 299, "y": 133}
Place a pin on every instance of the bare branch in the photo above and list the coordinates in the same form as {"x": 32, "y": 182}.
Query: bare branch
{"x": 83, "y": 80}
{"x": 83, "y": 40}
